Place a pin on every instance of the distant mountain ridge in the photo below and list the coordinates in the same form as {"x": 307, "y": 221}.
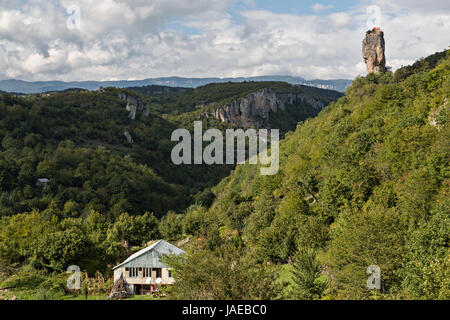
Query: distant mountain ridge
{"x": 27, "y": 87}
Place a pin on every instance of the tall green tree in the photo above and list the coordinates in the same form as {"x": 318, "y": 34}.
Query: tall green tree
{"x": 306, "y": 273}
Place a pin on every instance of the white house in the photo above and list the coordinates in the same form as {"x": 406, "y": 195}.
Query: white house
{"x": 144, "y": 270}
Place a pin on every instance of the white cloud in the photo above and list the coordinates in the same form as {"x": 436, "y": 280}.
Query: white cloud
{"x": 137, "y": 39}
{"x": 340, "y": 19}
{"x": 418, "y": 6}
{"x": 320, "y": 7}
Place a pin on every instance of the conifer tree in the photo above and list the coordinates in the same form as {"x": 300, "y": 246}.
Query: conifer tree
{"x": 306, "y": 274}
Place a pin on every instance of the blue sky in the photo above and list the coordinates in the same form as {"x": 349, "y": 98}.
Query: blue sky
{"x": 138, "y": 39}
{"x": 296, "y": 7}
{"x": 302, "y": 7}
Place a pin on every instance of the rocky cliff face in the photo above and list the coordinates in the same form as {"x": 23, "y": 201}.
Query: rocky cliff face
{"x": 373, "y": 51}
{"x": 134, "y": 104}
{"x": 433, "y": 117}
{"x": 128, "y": 136}
{"x": 254, "y": 109}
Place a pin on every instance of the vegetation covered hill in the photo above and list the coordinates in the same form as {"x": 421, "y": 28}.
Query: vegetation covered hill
{"x": 77, "y": 140}
{"x": 75, "y": 189}
{"x": 13, "y": 85}
{"x": 183, "y": 101}
{"x": 364, "y": 183}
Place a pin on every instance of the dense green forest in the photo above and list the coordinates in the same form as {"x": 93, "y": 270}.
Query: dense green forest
{"x": 364, "y": 183}
{"x": 103, "y": 195}
{"x": 184, "y": 106}
{"x": 76, "y": 140}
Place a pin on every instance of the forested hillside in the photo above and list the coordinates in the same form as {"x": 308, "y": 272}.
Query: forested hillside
{"x": 76, "y": 140}
{"x": 86, "y": 176}
{"x": 186, "y": 105}
{"x": 364, "y": 183}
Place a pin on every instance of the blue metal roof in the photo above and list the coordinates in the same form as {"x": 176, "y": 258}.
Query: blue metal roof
{"x": 149, "y": 256}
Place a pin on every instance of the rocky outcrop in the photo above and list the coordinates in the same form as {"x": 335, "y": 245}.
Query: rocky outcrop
{"x": 128, "y": 136}
{"x": 373, "y": 51}
{"x": 251, "y": 110}
{"x": 254, "y": 109}
{"x": 134, "y": 104}
{"x": 183, "y": 242}
{"x": 433, "y": 117}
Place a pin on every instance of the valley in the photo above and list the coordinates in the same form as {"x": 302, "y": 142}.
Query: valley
{"x": 86, "y": 178}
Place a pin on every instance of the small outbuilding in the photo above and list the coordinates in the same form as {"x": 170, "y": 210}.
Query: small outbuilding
{"x": 144, "y": 271}
{"x": 41, "y": 182}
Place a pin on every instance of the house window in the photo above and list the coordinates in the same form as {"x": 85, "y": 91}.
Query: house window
{"x": 133, "y": 272}
{"x": 158, "y": 272}
{"x": 147, "y": 272}
{"x": 170, "y": 273}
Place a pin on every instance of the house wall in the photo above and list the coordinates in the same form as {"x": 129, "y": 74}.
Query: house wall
{"x": 150, "y": 259}
{"x": 140, "y": 279}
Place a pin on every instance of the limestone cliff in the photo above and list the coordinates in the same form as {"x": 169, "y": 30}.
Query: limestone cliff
{"x": 128, "y": 136}
{"x": 435, "y": 114}
{"x": 134, "y": 104}
{"x": 254, "y": 109}
{"x": 373, "y": 51}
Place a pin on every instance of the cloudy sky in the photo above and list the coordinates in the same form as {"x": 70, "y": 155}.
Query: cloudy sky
{"x": 138, "y": 39}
